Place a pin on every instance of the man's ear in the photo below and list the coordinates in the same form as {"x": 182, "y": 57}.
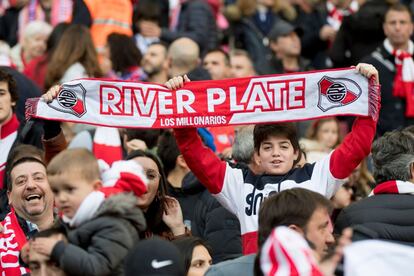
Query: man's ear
{"x": 8, "y": 197}
{"x": 412, "y": 172}
{"x": 181, "y": 162}
{"x": 256, "y": 158}
{"x": 296, "y": 228}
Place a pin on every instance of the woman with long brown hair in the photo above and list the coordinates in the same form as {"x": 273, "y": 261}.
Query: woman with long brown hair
{"x": 75, "y": 57}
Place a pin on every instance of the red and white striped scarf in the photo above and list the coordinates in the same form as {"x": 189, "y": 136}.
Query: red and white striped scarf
{"x": 335, "y": 15}
{"x": 8, "y": 134}
{"x": 403, "y": 85}
{"x": 286, "y": 253}
{"x": 272, "y": 98}
{"x": 12, "y": 240}
{"x": 393, "y": 187}
{"x": 107, "y": 144}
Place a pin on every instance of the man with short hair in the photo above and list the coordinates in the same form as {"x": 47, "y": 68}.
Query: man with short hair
{"x": 285, "y": 45}
{"x": 154, "y": 63}
{"x": 387, "y": 212}
{"x": 217, "y": 63}
{"x": 241, "y": 64}
{"x": 303, "y": 211}
{"x": 31, "y": 204}
{"x": 393, "y": 58}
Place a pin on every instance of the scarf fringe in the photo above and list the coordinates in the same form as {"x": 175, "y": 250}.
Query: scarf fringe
{"x": 374, "y": 98}
{"x": 31, "y": 107}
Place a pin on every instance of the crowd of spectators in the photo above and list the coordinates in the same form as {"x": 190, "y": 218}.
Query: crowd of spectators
{"x": 212, "y": 200}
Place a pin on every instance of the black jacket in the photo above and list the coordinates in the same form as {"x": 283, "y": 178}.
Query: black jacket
{"x": 208, "y": 219}
{"x": 359, "y": 35}
{"x": 196, "y": 21}
{"x": 392, "y": 114}
{"x": 385, "y": 216}
{"x": 99, "y": 246}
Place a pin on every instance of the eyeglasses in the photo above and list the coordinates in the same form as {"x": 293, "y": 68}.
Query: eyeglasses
{"x": 152, "y": 175}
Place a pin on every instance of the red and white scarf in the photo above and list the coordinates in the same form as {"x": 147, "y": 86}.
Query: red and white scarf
{"x": 12, "y": 240}
{"x": 286, "y": 253}
{"x": 272, "y": 98}
{"x": 107, "y": 144}
{"x": 394, "y": 187}
{"x": 335, "y": 15}
{"x": 403, "y": 85}
{"x": 8, "y": 134}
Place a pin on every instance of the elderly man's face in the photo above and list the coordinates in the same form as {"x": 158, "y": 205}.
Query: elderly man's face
{"x": 30, "y": 195}
{"x": 35, "y": 45}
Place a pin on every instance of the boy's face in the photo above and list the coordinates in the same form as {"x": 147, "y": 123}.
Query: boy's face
{"x": 6, "y": 103}
{"x": 276, "y": 155}
{"x": 70, "y": 189}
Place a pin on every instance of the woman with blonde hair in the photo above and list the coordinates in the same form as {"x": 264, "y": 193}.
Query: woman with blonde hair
{"x": 75, "y": 57}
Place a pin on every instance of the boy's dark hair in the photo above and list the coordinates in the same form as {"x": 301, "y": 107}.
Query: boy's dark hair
{"x": 11, "y": 82}
{"x": 285, "y": 130}
{"x": 294, "y": 206}
{"x": 149, "y": 136}
{"x": 168, "y": 151}
{"x": 18, "y": 162}
{"x": 56, "y": 229}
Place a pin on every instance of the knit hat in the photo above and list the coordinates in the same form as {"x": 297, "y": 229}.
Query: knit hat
{"x": 154, "y": 257}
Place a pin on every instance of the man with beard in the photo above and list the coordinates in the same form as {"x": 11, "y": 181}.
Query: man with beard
{"x": 155, "y": 64}
{"x": 31, "y": 205}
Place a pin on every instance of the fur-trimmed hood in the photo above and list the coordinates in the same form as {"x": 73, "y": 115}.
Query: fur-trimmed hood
{"x": 123, "y": 205}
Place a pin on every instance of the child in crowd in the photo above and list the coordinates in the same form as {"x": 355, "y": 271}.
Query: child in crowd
{"x": 321, "y": 139}
{"x": 102, "y": 230}
{"x": 277, "y": 146}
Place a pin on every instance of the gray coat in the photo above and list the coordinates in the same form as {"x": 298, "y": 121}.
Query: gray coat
{"x": 99, "y": 246}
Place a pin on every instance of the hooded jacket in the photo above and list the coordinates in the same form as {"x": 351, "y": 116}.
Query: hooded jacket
{"x": 99, "y": 245}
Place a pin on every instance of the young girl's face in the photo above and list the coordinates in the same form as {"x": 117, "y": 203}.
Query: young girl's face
{"x": 328, "y": 134}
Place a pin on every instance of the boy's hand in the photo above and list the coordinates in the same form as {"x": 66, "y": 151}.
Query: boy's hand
{"x": 368, "y": 71}
{"x": 45, "y": 245}
{"x": 173, "y": 216}
{"x": 176, "y": 82}
{"x": 51, "y": 93}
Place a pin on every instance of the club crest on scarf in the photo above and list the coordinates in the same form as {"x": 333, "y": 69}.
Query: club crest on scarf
{"x": 71, "y": 99}
{"x": 337, "y": 92}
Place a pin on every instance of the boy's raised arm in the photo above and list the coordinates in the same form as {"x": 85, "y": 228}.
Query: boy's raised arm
{"x": 357, "y": 144}
{"x": 206, "y": 166}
